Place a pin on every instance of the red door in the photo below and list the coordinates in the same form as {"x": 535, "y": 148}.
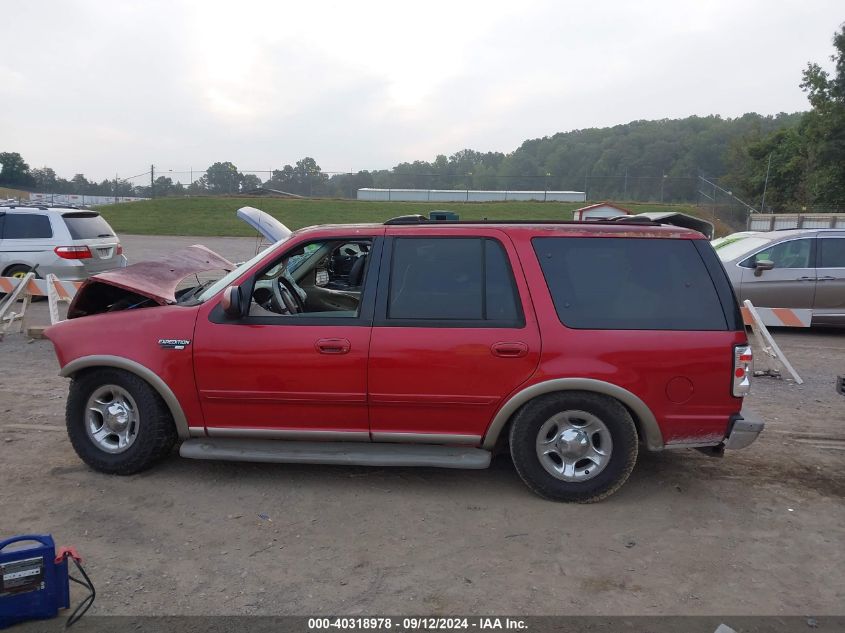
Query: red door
{"x": 282, "y": 380}
{"x": 453, "y": 335}
{"x": 300, "y": 376}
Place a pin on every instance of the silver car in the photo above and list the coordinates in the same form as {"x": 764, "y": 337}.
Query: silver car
{"x": 795, "y": 268}
{"x": 70, "y": 243}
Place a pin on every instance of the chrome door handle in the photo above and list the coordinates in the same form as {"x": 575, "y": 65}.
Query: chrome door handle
{"x": 333, "y": 346}
{"x": 805, "y": 278}
{"x": 827, "y": 278}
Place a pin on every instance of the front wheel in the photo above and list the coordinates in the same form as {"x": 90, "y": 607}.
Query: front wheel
{"x": 574, "y": 446}
{"x": 117, "y": 423}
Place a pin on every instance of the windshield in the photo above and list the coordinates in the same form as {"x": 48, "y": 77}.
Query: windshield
{"x": 730, "y": 250}
{"x": 229, "y": 278}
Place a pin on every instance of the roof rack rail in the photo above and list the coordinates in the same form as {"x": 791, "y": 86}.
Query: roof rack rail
{"x": 415, "y": 218}
{"x": 633, "y": 219}
{"x": 23, "y": 205}
{"x": 420, "y": 219}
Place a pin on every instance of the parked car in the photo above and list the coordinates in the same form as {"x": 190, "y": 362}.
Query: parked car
{"x": 417, "y": 343}
{"x": 797, "y": 268}
{"x": 721, "y": 242}
{"x": 70, "y": 243}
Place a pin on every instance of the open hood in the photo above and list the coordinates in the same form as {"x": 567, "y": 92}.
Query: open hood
{"x": 156, "y": 280}
{"x": 264, "y": 223}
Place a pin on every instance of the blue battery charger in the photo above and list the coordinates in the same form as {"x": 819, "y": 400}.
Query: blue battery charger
{"x": 34, "y": 580}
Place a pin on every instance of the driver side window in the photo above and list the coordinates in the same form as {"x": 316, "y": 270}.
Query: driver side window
{"x": 319, "y": 279}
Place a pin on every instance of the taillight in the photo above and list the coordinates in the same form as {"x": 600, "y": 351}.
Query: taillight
{"x": 119, "y": 249}
{"x": 743, "y": 359}
{"x": 73, "y": 252}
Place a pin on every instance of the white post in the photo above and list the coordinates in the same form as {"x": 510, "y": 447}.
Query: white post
{"x": 53, "y": 299}
{"x": 764, "y": 332}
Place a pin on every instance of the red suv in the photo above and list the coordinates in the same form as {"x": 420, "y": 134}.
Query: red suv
{"x": 417, "y": 343}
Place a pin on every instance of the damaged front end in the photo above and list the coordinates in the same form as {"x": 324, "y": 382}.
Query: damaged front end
{"x": 146, "y": 284}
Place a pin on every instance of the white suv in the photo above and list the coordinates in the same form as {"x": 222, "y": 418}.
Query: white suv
{"x": 70, "y": 243}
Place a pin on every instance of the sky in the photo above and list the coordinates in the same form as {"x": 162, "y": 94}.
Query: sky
{"x": 107, "y": 87}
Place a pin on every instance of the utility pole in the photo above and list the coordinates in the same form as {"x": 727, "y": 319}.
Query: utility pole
{"x": 152, "y": 181}
{"x": 765, "y": 185}
{"x": 625, "y": 195}
{"x": 662, "y": 183}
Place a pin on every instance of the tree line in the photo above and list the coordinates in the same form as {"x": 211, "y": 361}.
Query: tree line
{"x": 794, "y": 159}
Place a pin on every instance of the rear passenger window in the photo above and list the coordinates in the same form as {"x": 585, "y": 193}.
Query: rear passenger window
{"x": 832, "y": 252}
{"x": 21, "y": 226}
{"x": 629, "y": 284}
{"x": 452, "y": 279}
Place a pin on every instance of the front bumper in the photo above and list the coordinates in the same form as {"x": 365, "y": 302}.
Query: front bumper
{"x": 743, "y": 430}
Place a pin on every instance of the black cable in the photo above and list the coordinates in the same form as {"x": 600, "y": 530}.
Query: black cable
{"x": 86, "y": 603}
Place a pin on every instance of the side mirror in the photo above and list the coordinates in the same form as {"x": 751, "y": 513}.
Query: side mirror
{"x": 233, "y": 303}
{"x": 762, "y": 264}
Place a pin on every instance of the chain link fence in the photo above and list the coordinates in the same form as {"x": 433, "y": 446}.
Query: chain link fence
{"x": 712, "y": 196}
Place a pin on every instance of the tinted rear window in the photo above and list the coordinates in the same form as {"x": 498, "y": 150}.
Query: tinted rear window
{"x": 629, "y": 284}
{"x": 23, "y": 226}
{"x": 86, "y": 226}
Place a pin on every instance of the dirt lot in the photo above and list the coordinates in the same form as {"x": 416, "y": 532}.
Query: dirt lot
{"x": 758, "y": 532}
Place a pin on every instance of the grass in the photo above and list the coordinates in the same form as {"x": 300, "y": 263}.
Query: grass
{"x": 215, "y": 216}
{"x": 13, "y": 193}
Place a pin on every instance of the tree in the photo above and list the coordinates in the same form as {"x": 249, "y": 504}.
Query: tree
{"x": 250, "y": 182}
{"x": 803, "y": 163}
{"x": 199, "y": 186}
{"x": 304, "y": 179}
{"x": 44, "y": 180}
{"x": 223, "y": 178}
{"x": 309, "y": 177}
{"x": 14, "y": 172}
{"x": 79, "y": 185}
{"x": 282, "y": 179}
{"x": 823, "y": 128}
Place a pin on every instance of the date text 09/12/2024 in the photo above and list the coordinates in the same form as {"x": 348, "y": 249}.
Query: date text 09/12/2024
{"x": 417, "y": 623}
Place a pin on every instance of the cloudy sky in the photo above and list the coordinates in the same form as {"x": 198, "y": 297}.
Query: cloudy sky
{"x": 104, "y": 87}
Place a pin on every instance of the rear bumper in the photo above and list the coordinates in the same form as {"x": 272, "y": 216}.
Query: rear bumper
{"x": 743, "y": 430}
{"x": 80, "y": 270}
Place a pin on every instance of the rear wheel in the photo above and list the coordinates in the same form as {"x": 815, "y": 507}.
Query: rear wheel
{"x": 574, "y": 446}
{"x": 117, "y": 423}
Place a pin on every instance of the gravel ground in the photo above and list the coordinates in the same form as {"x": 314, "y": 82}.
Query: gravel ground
{"x": 758, "y": 532}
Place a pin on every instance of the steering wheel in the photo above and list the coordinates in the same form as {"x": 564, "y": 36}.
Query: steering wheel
{"x": 286, "y": 299}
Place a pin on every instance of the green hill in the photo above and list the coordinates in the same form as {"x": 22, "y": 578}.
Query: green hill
{"x": 215, "y": 216}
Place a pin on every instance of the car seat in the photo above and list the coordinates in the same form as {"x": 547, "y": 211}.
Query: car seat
{"x": 356, "y": 273}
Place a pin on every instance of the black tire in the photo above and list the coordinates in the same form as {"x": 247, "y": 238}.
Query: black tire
{"x": 530, "y": 419}
{"x": 156, "y": 432}
{"x": 20, "y": 269}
